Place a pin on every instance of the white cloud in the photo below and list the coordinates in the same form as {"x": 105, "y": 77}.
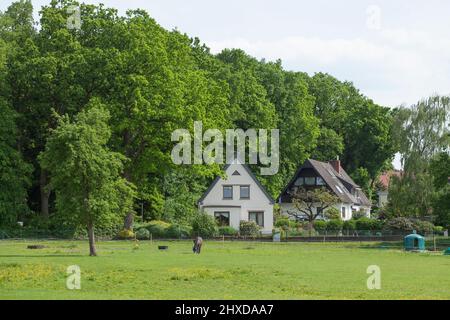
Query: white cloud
{"x": 392, "y": 66}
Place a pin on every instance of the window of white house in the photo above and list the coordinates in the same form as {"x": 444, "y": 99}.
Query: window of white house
{"x": 343, "y": 210}
{"x": 300, "y": 181}
{"x": 256, "y": 216}
{"x": 310, "y": 181}
{"x": 228, "y": 192}
{"x": 320, "y": 181}
{"x": 245, "y": 192}
{"x": 222, "y": 218}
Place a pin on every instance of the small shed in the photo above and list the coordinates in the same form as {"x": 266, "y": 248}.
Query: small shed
{"x": 414, "y": 242}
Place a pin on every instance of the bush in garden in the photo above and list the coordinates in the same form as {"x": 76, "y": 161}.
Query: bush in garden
{"x": 359, "y": 214}
{"x": 227, "y": 231}
{"x": 333, "y": 213}
{"x": 335, "y": 225}
{"x": 178, "y": 231}
{"x": 157, "y": 228}
{"x": 423, "y": 227}
{"x": 320, "y": 225}
{"x": 399, "y": 224}
{"x": 125, "y": 234}
{"x": 294, "y": 224}
{"x": 204, "y": 225}
{"x": 142, "y": 234}
{"x": 282, "y": 223}
{"x": 249, "y": 228}
{"x": 368, "y": 224}
{"x": 438, "y": 230}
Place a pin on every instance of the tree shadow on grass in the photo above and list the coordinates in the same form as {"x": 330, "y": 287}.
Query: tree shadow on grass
{"x": 382, "y": 245}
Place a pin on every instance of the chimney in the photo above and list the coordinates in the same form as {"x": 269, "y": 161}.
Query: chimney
{"x": 336, "y": 164}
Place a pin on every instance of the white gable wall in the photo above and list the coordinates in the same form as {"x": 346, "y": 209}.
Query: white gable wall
{"x": 239, "y": 208}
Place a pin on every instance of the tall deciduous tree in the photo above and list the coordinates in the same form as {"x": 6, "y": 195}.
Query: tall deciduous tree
{"x": 85, "y": 173}
{"x": 422, "y": 132}
{"x": 14, "y": 172}
{"x": 365, "y": 127}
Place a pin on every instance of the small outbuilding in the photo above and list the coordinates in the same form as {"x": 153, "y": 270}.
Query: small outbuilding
{"x": 414, "y": 242}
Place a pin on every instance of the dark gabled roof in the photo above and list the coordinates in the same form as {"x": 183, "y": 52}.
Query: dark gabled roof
{"x": 334, "y": 180}
{"x": 251, "y": 175}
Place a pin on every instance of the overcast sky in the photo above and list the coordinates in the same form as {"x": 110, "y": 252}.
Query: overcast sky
{"x": 395, "y": 52}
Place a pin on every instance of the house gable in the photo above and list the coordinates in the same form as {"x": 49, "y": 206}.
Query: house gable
{"x": 335, "y": 178}
{"x": 244, "y": 177}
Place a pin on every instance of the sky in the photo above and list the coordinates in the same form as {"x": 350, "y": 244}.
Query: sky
{"x": 395, "y": 52}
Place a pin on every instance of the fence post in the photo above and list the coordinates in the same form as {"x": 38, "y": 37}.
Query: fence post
{"x": 434, "y": 241}
{"x": 151, "y": 238}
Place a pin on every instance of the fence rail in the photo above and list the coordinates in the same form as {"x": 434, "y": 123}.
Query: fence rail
{"x": 316, "y": 236}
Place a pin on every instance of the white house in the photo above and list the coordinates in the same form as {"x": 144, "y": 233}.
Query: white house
{"x": 240, "y": 196}
{"x": 314, "y": 174}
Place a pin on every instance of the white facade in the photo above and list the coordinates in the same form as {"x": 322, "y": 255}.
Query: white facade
{"x": 257, "y": 207}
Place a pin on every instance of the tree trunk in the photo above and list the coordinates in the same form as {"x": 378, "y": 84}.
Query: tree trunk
{"x": 91, "y": 235}
{"x": 45, "y": 194}
{"x": 129, "y": 219}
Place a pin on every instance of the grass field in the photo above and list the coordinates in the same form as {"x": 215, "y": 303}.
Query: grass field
{"x": 230, "y": 270}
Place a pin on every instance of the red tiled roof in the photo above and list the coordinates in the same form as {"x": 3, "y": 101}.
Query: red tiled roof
{"x": 385, "y": 178}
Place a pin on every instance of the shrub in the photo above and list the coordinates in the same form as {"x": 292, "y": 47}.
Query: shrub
{"x": 333, "y": 213}
{"x": 249, "y": 228}
{"x": 204, "y": 225}
{"x": 368, "y": 224}
{"x": 282, "y": 223}
{"x": 320, "y": 225}
{"x": 294, "y": 224}
{"x": 335, "y": 225}
{"x": 438, "y": 230}
{"x": 359, "y": 214}
{"x": 227, "y": 231}
{"x": 399, "y": 224}
{"x": 125, "y": 234}
{"x": 157, "y": 228}
{"x": 423, "y": 227}
{"x": 349, "y": 225}
{"x": 142, "y": 234}
{"x": 178, "y": 231}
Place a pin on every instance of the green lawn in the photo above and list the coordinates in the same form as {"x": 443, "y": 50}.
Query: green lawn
{"x": 230, "y": 270}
